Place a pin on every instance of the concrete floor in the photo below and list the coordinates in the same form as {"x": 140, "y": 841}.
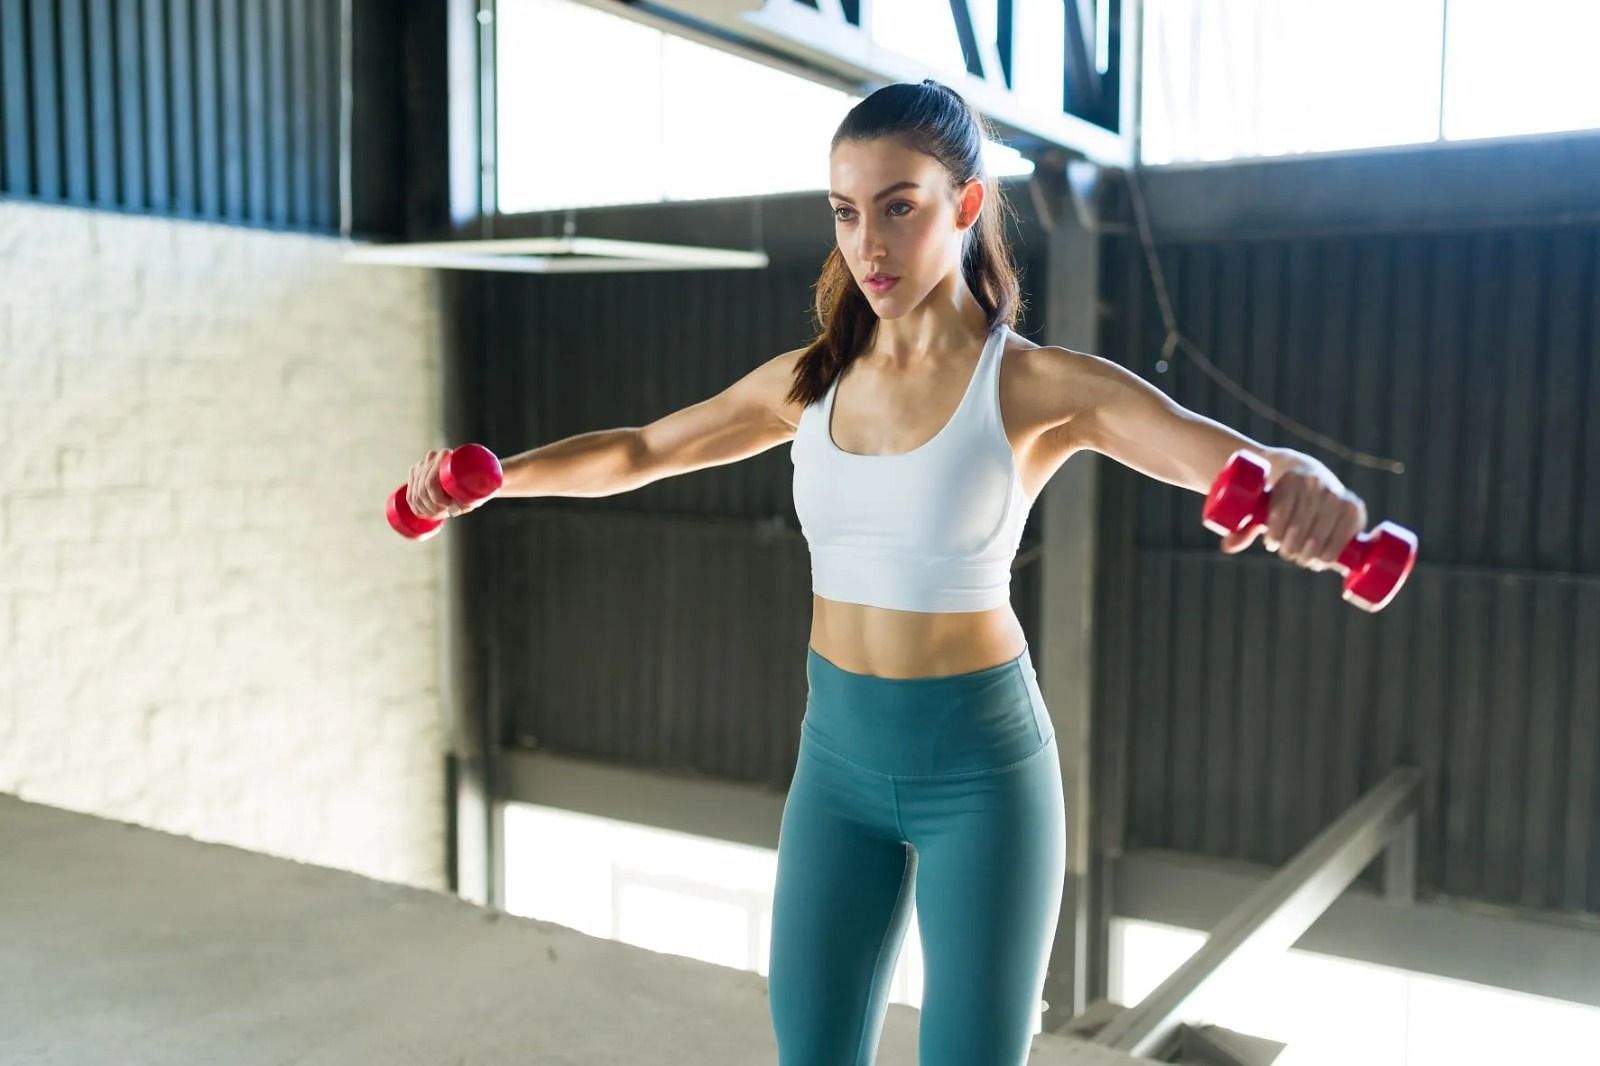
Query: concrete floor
{"x": 120, "y": 944}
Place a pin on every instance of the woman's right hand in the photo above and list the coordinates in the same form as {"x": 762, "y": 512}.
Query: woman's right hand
{"x": 426, "y": 496}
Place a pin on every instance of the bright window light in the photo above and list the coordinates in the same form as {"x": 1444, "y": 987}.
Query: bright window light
{"x": 1331, "y": 1010}
{"x": 1231, "y": 78}
{"x": 1264, "y": 78}
{"x": 905, "y": 26}
{"x": 1038, "y": 35}
{"x": 1527, "y": 68}
{"x": 657, "y": 889}
{"x": 595, "y": 109}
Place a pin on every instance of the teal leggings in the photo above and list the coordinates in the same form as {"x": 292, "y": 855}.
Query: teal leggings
{"x": 945, "y": 787}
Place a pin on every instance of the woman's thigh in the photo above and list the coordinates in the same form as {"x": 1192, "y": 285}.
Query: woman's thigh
{"x": 840, "y": 909}
{"x": 991, "y": 858}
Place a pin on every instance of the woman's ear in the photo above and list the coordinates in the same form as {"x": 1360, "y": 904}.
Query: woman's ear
{"x": 971, "y": 203}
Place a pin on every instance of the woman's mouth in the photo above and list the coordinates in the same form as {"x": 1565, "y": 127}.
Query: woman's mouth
{"x": 881, "y": 283}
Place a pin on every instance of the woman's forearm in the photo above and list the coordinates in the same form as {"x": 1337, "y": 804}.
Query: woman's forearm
{"x": 601, "y": 463}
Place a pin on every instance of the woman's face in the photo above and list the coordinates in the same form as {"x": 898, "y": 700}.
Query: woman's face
{"x": 912, "y": 231}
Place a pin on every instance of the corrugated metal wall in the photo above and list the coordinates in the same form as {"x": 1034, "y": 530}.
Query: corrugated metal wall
{"x": 664, "y": 627}
{"x": 1256, "y": 705}
{"x": 225, "y": 110}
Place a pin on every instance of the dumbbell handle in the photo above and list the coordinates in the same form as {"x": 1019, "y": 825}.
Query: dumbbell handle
{"x": 1374, "y": 564}
{"x": 467, "y": 474}
{"x": 1350, "y": 557}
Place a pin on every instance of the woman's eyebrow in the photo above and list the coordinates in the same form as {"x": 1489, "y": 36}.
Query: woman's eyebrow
{"x": 893, "y": 188}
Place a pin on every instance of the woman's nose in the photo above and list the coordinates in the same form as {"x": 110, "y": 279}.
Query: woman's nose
{"x": 868, "y": 245}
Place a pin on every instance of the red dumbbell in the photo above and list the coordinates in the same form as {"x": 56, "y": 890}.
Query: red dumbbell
{"x": 1375, "y": 564}
{"x": 467, "y": 474}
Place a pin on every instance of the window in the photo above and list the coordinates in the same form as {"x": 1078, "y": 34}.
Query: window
{"x": 1523, "y": 68}
{"x": 597, "y": 109}
{"x": 1231, "y": 78}
{"x": 657, "y": 889}
{"x": 1333, "y": 1011}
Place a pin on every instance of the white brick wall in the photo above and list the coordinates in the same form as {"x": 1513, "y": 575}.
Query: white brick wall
{"x": 206, "y": 624}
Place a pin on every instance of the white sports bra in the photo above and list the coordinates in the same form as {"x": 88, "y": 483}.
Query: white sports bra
{"x": 932, "y": 529}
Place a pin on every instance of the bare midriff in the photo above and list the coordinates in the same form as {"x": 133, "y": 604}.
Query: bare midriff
{"x": 888, "y": 643}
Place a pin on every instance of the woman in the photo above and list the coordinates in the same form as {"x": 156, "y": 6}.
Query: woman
{"x": 927, "y": 760}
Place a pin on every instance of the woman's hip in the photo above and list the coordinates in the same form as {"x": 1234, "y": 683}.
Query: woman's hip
{"x": 926, "y": 727}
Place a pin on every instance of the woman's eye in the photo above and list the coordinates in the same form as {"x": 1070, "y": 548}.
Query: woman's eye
{"x": 897, "y": 203}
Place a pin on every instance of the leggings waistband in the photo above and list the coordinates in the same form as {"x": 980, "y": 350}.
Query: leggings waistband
{"x": 984, "y": 719}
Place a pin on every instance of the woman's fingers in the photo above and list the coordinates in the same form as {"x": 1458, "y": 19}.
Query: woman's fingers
{"x": 425, "y": 493}
{"x": 413, "y": 496}
{"x": 1321, "y": 547}
{"x": 424, "y": 502}
{"x": 1285, "y": 515}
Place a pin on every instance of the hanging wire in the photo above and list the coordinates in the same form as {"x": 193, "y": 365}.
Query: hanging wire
{"x": 1175, "y": 339}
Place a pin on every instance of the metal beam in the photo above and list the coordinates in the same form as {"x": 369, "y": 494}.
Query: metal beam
{"x": 1129, "y": 50}
{"x": 1081, "y": 83}
{"x": 823, "y": 45}
{"x": 1065, "y": 655}
{"x": 1522, "y": 949}
{"x": 1458, "y": 186}
{"x": 719, "y": 810}
{"x": 1276, "y": 915}
{"x": 554, "y": 255}
{"x": 968, "y": 36}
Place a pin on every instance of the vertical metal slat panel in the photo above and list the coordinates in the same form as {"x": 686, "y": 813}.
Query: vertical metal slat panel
{"x": 1509, "y": 718}
{"x": 278, "y": 91}
{"x": 216, "y": 109}
{"x": 1186, "y": 768}
{"x": 183, "y": 63}
{"x": 1150, "y": 658}
{"x": 1340, "y": 708}
{"x": 1588, "y": 500}
{"x": 1367, "y": 741}
{"x": 1535, "y": 866}
{"x": 299, "y": 107}
{"x": 1221, "y": 620}
{"x": 1483, "y": 354}
{"x": 16, "y": 179}
{"x": 158, "y": 146}
{"x": 43, "y": 65}
{"x": 1429, "y": 693}
{"x": 231, "y": 82}
{"x": 688, "y": 696}
{"x": 1473, "y": 357}
{"x": 1525, "y": 302}
{"x": 77, "y": 101}
{"x": 324, "y": 42}
{"x": 103, "y": 110}
{"x": 130, "y": 103}
{"x": 208, "y": 109}
{"x": 1581, "y": 880}
{"x": 253, "y": 41}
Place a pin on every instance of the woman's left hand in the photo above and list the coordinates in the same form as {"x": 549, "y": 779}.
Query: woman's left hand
{"x": 1311, "y": 515}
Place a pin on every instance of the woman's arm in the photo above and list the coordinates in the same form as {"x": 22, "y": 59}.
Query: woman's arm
{"x": 1109, "y": 409}
{"x": 598, "y": 463}
{"x": 743, "y": 419}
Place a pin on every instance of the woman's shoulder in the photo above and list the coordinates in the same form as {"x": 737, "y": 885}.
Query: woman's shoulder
{"x": 776, "y": 378}
{"x": 1043, "y": 385}
{"x": 1046, "y": 365}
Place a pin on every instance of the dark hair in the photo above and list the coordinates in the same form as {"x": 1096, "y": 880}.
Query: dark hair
{"x": 935, "y": 119}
